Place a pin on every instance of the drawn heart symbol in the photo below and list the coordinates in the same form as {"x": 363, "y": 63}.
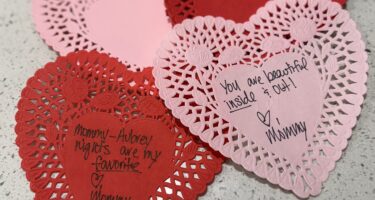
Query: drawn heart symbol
{"x": 304, "y": 61}
{"x": 265, "y": 118}
{"x": 96, "y": 179}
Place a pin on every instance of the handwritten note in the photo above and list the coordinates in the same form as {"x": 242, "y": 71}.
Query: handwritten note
{"x": 133, "y": 150}
{"x": 272, "y": 82}
{"x": 271, "y": 103}
{"x": 110, "y": 153}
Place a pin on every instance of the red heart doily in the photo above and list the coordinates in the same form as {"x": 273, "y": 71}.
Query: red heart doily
{"x": 237, "y": 10}
{"x": 89, "y": 129}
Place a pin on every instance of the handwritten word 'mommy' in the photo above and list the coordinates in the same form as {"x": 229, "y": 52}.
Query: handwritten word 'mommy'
{"x": 98, "y": 195}
{"x": 287, "y": 132}
{"x": 90, "y": 133}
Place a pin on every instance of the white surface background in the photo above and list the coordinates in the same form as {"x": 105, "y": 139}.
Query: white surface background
{"x": 22, "y": 52}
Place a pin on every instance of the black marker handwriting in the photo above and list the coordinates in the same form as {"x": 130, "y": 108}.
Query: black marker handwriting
{"x": 126, "y": 165}
{"x": 98, "y": 195}
{"x": 90, "y": 133}
{"x": 230, "y": 87}
{"x": 91, "y": 147}
{"x": 240, "y": 102}
{"x": 133, "y": 138}
{"x": 96, "y": 179}
{"x": 265, "y": 118}
{"x": 287, "y": 132}
{"x": 296, "y": 67}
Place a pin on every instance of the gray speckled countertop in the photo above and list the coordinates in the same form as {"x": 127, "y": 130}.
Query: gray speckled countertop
{"x": 22, "y": 52}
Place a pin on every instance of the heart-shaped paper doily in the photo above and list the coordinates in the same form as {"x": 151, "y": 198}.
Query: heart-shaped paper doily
{"x": 236, "y": 10}
{"x": 127, "y": 29}
{"x": 279, "y": 94}
{"x": 87, "y": 128}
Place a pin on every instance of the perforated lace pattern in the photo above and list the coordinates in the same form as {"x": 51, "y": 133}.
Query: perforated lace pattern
{"x": 63, "y": 26}
{"x": 179, "y": 10}
{"x": 46, "y": 112}
{"x": 336, "y": 48}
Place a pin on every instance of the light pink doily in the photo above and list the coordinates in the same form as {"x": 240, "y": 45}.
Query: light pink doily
{"x": 126, "y": 29}
{"x": 315, "y": 113}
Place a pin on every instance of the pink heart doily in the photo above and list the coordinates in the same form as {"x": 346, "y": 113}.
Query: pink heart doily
{"x": 279, "y": 94}
{"x": 89, "y": 129}
{"x": 126, "y": 29}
